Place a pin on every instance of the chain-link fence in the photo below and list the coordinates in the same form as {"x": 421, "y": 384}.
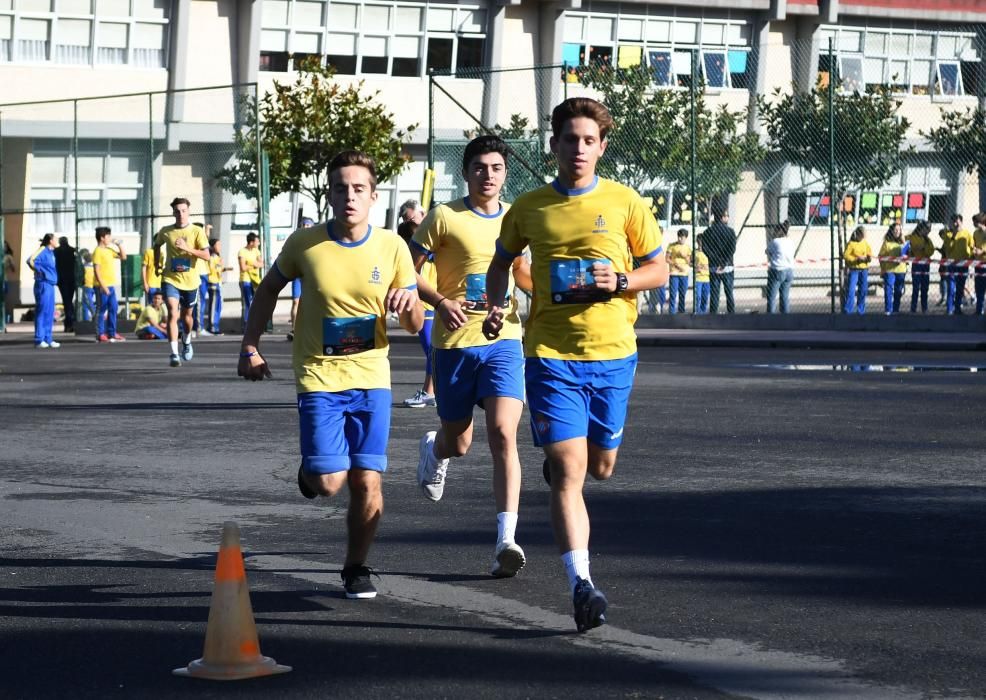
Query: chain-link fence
{"x": 794, "y": 146}
{"x": 69, "y": 166}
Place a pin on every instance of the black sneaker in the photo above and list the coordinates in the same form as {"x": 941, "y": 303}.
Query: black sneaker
{"x": 305, "y": 489}
{"x": 356, "y": 580}
{"x": 590, "y": 606}
{"x": 546, "y": 472}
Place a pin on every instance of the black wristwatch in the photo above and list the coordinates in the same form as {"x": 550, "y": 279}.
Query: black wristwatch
{"x": 621, "y": 283}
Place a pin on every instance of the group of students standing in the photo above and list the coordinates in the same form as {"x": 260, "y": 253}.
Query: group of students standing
{"x": 963, "y": 254}
{"x": 575, "y": 368}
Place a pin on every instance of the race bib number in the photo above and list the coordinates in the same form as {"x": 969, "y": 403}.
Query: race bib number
{"x": 348, "y": 336}
{"x": 181, "y": 264}
{"x": 476, "y": 292}
{"x": 570, "y": 280}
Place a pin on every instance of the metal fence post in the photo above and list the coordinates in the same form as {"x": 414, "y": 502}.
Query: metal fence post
{"x": 831, "y": 101}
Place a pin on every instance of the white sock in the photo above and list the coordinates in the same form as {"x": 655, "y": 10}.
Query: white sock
{"x": 576, "y": 566}
{"x": 174, "y": 347}
{"x": 506, "y": 527}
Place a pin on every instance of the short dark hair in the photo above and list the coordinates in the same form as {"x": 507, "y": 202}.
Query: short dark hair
{"x": 212, "y": 242}
{"x": 581, "y": 107}
{"x": 63, "y": 239}
{"x": 682, "y": 232}
{"x": 481, "y": 145}
{"x": 180, "y": 200}
{"x": 251, "y": 237}
{"x": 406, "y": 230}
{"x": 102, "y": 232}
{"x": 157, "y": 293}
{"x": 979, "y": 219}
{"x": 958, "y": 216}
{"x": 349, "y": 158}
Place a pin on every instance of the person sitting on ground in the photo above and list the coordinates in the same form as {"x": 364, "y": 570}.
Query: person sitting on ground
{"x": 150, "y": 324}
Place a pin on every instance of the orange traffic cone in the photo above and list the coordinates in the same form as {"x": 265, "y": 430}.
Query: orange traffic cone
{"x": 232, "y": 649}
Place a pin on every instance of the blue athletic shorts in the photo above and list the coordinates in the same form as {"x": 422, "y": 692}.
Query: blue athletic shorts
{"x": 296, "y": 288}
{"x": 579, "y": 398}
{"x": 466, "y": 376}
{"x": 344, "y": 429}
{"x": 186, "y": 297}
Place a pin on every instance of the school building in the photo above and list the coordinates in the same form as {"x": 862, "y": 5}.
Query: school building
{"x": 92, "y": 156}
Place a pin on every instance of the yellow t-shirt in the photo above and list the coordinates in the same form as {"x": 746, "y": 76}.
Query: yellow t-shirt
{"x": 105, "y": 259}
{"x": 567, "y": 231}
{"x": 253, "y": 255}
{"x": 946, "y": 243}
{"x": 892, "y": 249}
{"x": 463, "y": 242}
{"x": 215, "y": 269}
{"x": 680, "y": 258}
{"x": 856, "y": 250}
{"x": 921, "y": 246}
{"x": 960, "y": 247}
{"x": 340, "y": 337}
{"x": 979, "y": 241}
{"x": 179, "y": 266}
{"x": 153, "y": 277}
{"x": 701, "y": 266}
{"x": 88, "y": 276}
{"x": 149, "y": 316}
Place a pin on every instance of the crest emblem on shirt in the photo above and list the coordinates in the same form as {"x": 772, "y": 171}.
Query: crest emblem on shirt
{"x": 599, "y": 225}
{"x": 375, "y": 275}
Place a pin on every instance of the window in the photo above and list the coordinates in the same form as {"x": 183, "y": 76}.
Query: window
{"x": 948, "y": 79}
{"x": 85, "y": 32}
{"x": 714, "y": 69}
{"x": 110, "y": 184}
{"x": 402, "y": 39}
{"x": 903, "y": 60}
{"x": 628, "y": 36}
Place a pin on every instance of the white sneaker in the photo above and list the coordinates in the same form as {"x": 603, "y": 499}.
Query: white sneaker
{"x": 42, "y": 345}
{"x": 420, "y": 400}
{"x": 204, "y": 333}
{"x": 508, "y": 559}
{"x": 54, "y": 344}
{"x": 431, "y": 470}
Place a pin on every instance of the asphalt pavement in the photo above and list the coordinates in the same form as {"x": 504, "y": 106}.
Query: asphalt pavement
{"x": 786, "y": 520}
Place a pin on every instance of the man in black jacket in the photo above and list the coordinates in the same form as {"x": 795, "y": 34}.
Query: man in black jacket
{"x": 719, "y": 243}
{"x": 65, "y": 264}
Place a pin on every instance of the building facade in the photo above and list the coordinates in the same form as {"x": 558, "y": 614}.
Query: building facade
{"x": 120, "y": 161}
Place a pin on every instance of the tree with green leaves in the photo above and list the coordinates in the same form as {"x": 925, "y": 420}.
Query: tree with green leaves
{"x": 651, "y": 139}
{"x": 868, "y": 137}
{"x": 303, "y": 125}
{"x": 961, "y": 138}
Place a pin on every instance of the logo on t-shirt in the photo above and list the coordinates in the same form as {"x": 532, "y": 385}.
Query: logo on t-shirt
{"x": 599, "y": 225}
{"x": 375, "y": 275}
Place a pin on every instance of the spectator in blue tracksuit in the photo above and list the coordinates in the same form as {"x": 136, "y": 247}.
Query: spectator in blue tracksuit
{"x": 45, "y": 281}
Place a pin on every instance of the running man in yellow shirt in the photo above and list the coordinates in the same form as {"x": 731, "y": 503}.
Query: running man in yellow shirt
{"x": 584, "y": 233}
{"x": 183, "y": 243}
{"x": 353, "y": 275}
{"x": 471, "y": 369}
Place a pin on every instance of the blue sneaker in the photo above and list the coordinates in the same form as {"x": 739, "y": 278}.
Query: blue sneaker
{"x": 590, "y": 606}
{"x": 186, "y": 352}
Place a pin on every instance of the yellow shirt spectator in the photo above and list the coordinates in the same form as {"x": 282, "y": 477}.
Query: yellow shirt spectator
{"x": 680, "y": 258}
{"x": 701, "y": 266}
{"x": 104, "y": 262}
{"x": 252, "y": 257}
{"x": 892, "y": 249}
{"x": 857, "y": 255}
{"x": 153, "y": 276}
{"x": 921, "y": 246}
